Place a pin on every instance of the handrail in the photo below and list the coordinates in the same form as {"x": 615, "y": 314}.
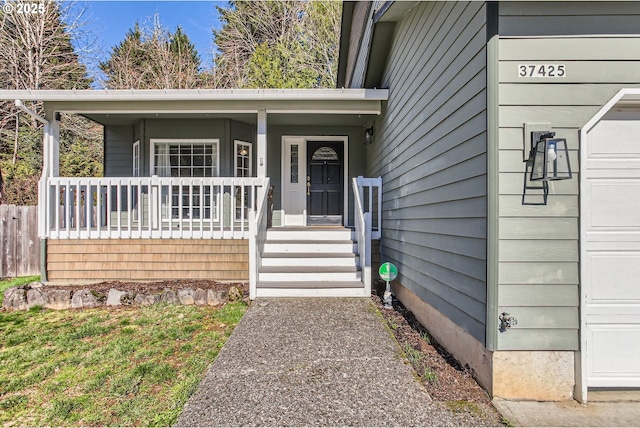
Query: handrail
{"x": 362, "y": 222}
{"x": 373, "y": 197}
{"x": 257, "y": 237}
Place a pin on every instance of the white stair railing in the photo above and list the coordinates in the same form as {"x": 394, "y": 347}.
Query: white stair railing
{"x": 370, "y": 192}
{"x": 257, "y": 237}
{"x": 363, "y": 224}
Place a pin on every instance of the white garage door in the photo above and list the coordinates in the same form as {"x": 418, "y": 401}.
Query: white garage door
{"x": 610, "y": 221}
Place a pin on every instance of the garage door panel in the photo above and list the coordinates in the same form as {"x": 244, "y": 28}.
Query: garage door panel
{"x": 614, "y": 358}
{"x": 610, "y": 257}
{"x": 610, "y": 241}
{"x": 615, "y": 138}
{"x": 612, "y": 168}
{"x": 608, "y": 197}
{"x": 614, "y": 277}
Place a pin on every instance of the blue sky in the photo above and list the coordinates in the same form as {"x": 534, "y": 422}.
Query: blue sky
{"x": 110, "y": 20}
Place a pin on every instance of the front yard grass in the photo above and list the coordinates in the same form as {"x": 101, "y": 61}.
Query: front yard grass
{"x": 111, "y": 367}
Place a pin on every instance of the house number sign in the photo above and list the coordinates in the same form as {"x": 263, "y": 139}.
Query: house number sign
{"x": 542, "y": 71}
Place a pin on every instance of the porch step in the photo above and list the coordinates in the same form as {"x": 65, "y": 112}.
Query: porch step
{"x": 310, "y": 234}
{"x": 310, "y": 261}
{"x": 309, "y": 273}
{"x": 310, "y": 284}
{"x": 303, "y": 246}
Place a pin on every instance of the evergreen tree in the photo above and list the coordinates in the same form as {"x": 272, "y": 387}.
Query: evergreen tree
{"x": 277, "y": 43}
{"x": 153, "y": 58}
{"x": 36, "y": 53}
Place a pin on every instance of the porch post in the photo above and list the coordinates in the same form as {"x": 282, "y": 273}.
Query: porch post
{"x": 42, "y": 188}
{"x": 262, "y": 143}
{"x": 54, "y": 146}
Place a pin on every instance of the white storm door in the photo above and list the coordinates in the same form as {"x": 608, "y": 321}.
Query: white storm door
{"x": 611, "y": 256}
{"x": 294, "y": 186}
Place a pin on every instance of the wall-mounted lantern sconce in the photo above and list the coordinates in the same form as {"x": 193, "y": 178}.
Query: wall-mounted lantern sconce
{"x": 368, "y": 135}
{"x": 549, "y": 161}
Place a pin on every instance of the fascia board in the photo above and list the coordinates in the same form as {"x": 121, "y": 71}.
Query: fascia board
{"x": 254, "y": 95}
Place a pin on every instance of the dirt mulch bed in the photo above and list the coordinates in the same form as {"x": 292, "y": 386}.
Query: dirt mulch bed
{"x": 151, "y": 287}
{"x": 444, "y": 378}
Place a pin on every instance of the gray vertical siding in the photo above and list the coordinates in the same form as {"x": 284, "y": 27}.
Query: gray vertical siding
{"x": 430, "y": 149}
{"x": 538, "y": 247}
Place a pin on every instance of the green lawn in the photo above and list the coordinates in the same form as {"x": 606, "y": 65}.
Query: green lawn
{"x": 102, "y": 367}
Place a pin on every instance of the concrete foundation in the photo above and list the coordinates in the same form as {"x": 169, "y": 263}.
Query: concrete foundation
{"x": 464, "y": 347}
{"x": 533, "y": 375}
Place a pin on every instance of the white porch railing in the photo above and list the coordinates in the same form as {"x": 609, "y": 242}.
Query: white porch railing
{"x": 363, "y": 187}
{"x": 150, "y": 207}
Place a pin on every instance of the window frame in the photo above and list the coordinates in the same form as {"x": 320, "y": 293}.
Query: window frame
{"x": 236, "y": 144}
{"x": 135, "y": 170}
{"x": 191, "y": 141}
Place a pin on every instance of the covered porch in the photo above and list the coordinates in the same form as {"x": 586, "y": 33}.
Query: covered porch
{"x": 207, "y": 165}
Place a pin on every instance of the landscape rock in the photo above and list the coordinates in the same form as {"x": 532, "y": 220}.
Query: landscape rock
{"x": 15, "y": 298}
{"x": 216, "y": 297}
{"x": 168, "y": 296}
{"x": 115, "y": 297}
{"x": 200, "y": 296}
{"x": 24, "y": 297}
{"x": 57, "y": 299}
{"x": 84, "y": 299}
{"x": 185, "y": 297}
{"x": 146, "y": 299}
{"x": 235, "y": 294}
{"x": 35, "y": 297}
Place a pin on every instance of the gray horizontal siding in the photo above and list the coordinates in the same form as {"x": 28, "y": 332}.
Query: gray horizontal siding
{"x": 568, "y": 18}
{"x": 430, "y": 149}
{"x": 539, "y": 245}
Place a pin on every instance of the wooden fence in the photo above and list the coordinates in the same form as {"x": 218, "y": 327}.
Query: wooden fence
{"x": 20, "y": 242}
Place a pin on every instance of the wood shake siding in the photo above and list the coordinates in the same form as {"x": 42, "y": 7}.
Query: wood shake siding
{"x": 430, "y": 149}
{"x": 539, "y": 245}
{"x": 147, "y": 259}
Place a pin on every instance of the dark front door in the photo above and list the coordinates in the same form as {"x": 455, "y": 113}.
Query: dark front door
{"x": 325, "y": 182}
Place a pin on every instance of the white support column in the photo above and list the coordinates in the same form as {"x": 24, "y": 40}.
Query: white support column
{"x": 54, "y": 147}
{"x": 43, "y": 207}
{"x": 262, "y": 144}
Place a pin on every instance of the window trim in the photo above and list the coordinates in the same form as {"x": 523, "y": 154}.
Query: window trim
{"x": 136, "y": 151}
{"x": 194, "y": 141}
{"x": 236, "y": 143}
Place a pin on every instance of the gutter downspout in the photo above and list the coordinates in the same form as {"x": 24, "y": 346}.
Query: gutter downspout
{"x": 42, "y": 197}
{"x": 30, "y": 112}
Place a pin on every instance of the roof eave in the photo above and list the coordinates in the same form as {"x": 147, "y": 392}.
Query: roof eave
{"x": 256, "y": 95}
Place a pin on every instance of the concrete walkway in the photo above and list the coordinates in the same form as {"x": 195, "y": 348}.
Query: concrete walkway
{"x": 599, "y": 412}
{"x": 314, "y": 362}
